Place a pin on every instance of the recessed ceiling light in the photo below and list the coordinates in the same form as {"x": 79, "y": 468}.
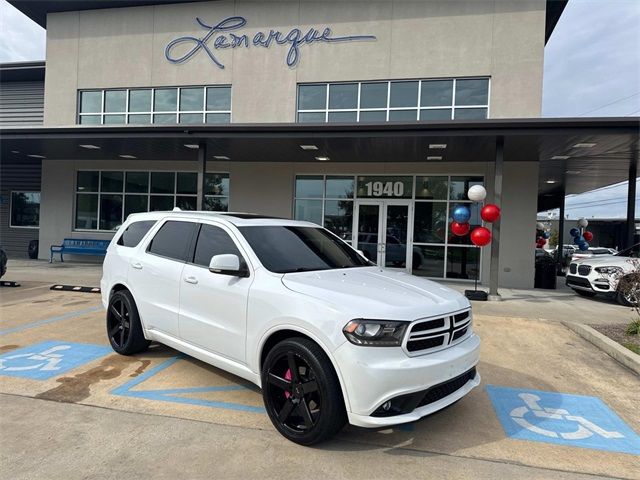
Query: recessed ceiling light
{"x": 36, "y": 156}
{"x": 560, "y": 157}
{"x": 90, "y": 147}
{"x": 323, "y": 159}
{"x": 584, "y": 145}
{"x": 308, "y": 147}
{"x": 127, "y": 156}
{"x": 221, "y": 157}
{"x": 434, "y": 157}
{"x": 194, "y": 146}
{"x": 15, "y": 151}
{"x": 552, "y": 181}
{"x": 437, "y": 146}
{"x": 573, "y": 172}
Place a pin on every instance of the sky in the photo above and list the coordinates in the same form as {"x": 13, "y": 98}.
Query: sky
{"x": 592, "y": 69}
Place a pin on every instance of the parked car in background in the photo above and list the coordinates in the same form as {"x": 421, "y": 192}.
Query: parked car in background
{"x": 329, "y": 337}
{"x": 613, "y": 275}
{"x": 3, "y": 262}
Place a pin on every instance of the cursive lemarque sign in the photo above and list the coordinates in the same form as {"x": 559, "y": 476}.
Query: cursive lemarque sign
{"x": 218, "y": 37}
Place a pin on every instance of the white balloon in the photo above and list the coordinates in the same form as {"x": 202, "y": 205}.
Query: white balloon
{"x": 583, "y": 223}
{"x": 540, "y": 226}
{"x": 477, "y": 193}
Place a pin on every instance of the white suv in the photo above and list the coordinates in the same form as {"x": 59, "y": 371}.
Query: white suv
{"x": 289, "y": 306}
{"x": 613, "y": 275}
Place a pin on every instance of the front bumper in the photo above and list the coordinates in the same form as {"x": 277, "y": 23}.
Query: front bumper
{"x": 591, "y": 283}
{"x": 375, "y": 375}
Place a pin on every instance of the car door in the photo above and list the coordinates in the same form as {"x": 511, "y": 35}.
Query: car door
{"x": 155, "y": 275}
{"x": 213, "y": 306}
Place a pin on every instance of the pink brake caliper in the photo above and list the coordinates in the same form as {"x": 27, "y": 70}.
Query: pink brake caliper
{"x": 287, "y": 377}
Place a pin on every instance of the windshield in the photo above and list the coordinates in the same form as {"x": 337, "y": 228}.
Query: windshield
{"x": 633, "y": 252}
{"x": 286, "y": 249}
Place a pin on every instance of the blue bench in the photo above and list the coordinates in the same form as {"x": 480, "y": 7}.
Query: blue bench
{"x": 80, "y": 246}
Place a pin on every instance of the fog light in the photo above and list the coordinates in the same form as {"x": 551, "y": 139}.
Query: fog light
{"x": 386, "y": 406}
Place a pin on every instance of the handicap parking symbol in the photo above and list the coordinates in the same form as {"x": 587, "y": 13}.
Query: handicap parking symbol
{"x": 573, "y": 420}
{"x": 49, "y": 359}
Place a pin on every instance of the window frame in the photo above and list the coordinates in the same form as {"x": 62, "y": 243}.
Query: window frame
{"x": 29, "y": 227}
{"x": 148, "y": 194}
{"x": 152, "y": 112}
{"x": 388, "y": 109}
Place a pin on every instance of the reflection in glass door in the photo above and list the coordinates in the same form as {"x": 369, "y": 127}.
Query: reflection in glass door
{"x": 383, "y": 232}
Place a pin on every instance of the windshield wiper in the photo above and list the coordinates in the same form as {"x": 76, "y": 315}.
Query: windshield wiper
{"x": 301, "y": 269}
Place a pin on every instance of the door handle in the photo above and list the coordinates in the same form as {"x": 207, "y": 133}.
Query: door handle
{"x": 137, "y": 265}
{"x": 192, "y": 280}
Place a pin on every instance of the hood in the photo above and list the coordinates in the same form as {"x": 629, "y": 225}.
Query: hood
{"x": 607, "y": 261}
{"x": 373, "y": 292}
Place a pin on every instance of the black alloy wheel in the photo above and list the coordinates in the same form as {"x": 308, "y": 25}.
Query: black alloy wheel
{"x": 301, "y": 392}
{"x": 123, "y": 324}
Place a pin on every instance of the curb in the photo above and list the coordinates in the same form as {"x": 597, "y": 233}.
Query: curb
{"x": 623, "y": 355}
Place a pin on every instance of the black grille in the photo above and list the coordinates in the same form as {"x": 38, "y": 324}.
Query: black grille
{"x": 431, "y": 324}
{"x": 429, "y": 342}
{"x": 458, "y": 317}
{"x": 459, "y": 334}
{"x": 578, "y": 282}
{"x": 584, "y": 270}
{"x": 573, "y": 268}
{"x": 447, "y": 388}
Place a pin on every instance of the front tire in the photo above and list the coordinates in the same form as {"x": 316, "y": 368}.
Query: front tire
{"x": 124, "y": 329}
{"x": 301, "y": 392}
{"x": 584, "y": 293}
{"x": 629, "y": 291}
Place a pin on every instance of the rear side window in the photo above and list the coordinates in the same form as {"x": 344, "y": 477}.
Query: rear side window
{"x": 133, "y": 234}
{"x": 173, "y": 240}
{"x": 213, "y": 241}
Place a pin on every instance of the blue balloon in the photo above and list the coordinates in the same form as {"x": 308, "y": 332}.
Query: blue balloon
{"x": 546, "y": 235}
{"x": 584, "y": 246}
{"x": 574, "y": 232}
{"x": 578, "y": 240}
{"x": 461, "y": 214}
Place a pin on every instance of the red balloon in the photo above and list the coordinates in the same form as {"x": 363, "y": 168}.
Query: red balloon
{"x": 460, "y": 229}
{"x": 588, "y": 236}
{"x": 490, "y": 213}
{"x": 480, "y": 236}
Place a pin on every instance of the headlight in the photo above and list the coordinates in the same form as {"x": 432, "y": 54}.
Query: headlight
{"x": 608, "y": 270}
{"x": 375, "y": 333}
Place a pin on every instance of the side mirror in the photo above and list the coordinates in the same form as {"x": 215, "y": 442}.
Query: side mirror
{"x": 227, "y": 264}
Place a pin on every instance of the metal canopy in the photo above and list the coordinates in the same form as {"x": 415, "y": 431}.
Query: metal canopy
{"x": 610, "y": 145}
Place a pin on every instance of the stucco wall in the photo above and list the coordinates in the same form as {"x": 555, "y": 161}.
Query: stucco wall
{"x": 124, "y": 47}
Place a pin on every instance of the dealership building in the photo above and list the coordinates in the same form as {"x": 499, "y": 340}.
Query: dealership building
{"x": 372, "y": 118}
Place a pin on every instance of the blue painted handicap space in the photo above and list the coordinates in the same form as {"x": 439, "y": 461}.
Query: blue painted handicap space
{"x": 181, "y": 395}
{"x": 573, "y": 420}
{"x": 49, "y": 359}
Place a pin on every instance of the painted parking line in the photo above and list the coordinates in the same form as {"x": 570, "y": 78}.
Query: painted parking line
{"x": 46, "y": 321}
{"x": 572, "y": 420}
{"x": 175, "y": 395}
{"x": 44, "y": 360}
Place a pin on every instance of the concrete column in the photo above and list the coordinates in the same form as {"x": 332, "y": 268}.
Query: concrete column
{"x": 495, "y": 242}
{"x": 631, "y": 204}
{"x": 560, "y": 249}
{"x": 202, "y": 165}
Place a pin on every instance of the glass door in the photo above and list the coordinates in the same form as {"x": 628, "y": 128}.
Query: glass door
{"x": 382, "y": 228}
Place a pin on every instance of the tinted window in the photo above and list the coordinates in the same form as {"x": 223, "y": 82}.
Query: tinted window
{"x": 213, "y": 241}
{"x": 133, "y": 233}
{"x": 173, "y": 240}
{"x": 283, "y": 249}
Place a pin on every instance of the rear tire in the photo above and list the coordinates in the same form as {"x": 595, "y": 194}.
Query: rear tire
{"x": 584, "y": 293}
{"x": 301, "y": 392}
{"x": 124, "y": 329}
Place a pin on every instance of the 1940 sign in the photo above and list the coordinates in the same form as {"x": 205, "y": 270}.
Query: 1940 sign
{"x": 295, "y": 38}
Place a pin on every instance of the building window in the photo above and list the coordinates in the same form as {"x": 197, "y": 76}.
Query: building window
{"x": 401, "y": 101}
{"x": 104, "y": 199}
{"x": 140, "y": 106}
{"x": 25, "y": 209}
{"x": 331, "y": 200}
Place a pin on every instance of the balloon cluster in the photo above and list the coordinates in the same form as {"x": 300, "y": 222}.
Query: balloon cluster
{"x": 541, "y": 235}
{"x": 480, "y": 236}
{"x": 581, "y": 237}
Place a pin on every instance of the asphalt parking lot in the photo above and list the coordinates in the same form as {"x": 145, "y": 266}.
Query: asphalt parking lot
{"x": 550, "y": 406}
